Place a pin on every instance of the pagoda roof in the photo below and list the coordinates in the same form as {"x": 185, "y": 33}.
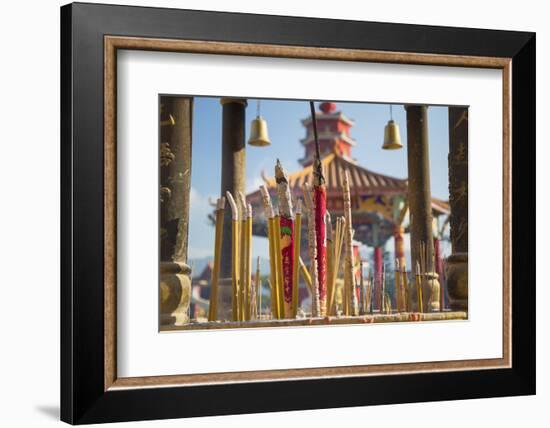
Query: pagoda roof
{"x": 362, "y": 180}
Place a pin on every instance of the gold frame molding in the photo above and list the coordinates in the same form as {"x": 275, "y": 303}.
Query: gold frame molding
{"x": 113, "y": 43}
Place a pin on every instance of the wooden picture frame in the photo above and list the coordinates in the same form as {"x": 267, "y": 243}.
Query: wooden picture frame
{"x": 90, "y": 389}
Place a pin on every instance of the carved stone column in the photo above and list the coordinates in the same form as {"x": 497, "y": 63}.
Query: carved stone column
{"x": 175, "y": 185}
{"x": 420, "y": 200}
{"x": 233, "y": 180}
{"x": 457, "y": 263}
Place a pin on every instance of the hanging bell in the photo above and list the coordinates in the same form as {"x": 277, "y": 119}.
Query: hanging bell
{"x": 258, "y": 133}
{"x": 392, "y": 140}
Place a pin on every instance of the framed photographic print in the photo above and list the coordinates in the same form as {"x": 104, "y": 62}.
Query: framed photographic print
{"x": 275, "y": 213}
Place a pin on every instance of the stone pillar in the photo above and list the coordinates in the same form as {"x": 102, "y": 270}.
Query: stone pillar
{"x": 233, "y": 180}
{"x": 175, "y": 185}
{"x": 420, "y": 199}
{"x": 457, "y": 263}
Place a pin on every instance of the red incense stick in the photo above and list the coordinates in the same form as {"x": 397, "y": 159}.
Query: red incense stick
{"x": 320, "y": 208}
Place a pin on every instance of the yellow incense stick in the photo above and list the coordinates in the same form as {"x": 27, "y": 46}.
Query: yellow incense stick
{"x": 258, "y": 285}
{"x": 336, "y": 263}
{"x": 242, "y": 257}
{"x": 398, "y": 291}
{"x": 330, "y": 260}
{"x": 213, "y": 307}
{"x": 405, "y": 282}
{"x": 268, "y": 208}
{"x": 273, "y": 269}
{"x": 295, "y": 268}
{"x": 234, "y": 258}
{"x": 248, "y": 297}
{"x": 306, "y": 275}
{"x": 418, "y": 282}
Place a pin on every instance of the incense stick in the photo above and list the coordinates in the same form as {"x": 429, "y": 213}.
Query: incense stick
{"x": 268, "y": 208}
{"x": 383, "y": 287}
{"x": 235, "y": 258}
{"x": 319, "y": 211}
{"x": 315, "y": 304}
{"x": 241, "y": 203}
{"x": 258, "y": 282}
{"x": 248, "y": 289}
{"x": 398, "y": 290}
{"x": 213, "y": 307}
{"x": 361, "y": 289}
{"x": 306, "y": 275}
{"x": 295, "y": 267}
{"x": 338, "y": 241}
{"x": 348, "y": 243}
{"x": 330, "y": 260}
{"x": 286, "y": 237}
{"x": 279, "y": 264}
{"x": 418, "y": 282}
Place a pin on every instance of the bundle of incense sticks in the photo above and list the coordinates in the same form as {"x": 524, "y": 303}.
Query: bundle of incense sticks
{"x": 213, "y": 307}
{"x": 295, "y": 268}
{"x": 315, "y": 303}
{"x": 337, "y": 249}
{"x": 234, "y": 258}
{"x": 350, "y": 303}
{"x": 273, "y": 273}
{"x": 319, "y": 208}
{"x": 286, "y": 237}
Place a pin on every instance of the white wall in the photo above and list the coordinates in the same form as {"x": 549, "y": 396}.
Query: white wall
{"x": 29, "y": 213}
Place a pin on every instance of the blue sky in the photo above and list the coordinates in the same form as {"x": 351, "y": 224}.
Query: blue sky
{"x": 285, "y": 131}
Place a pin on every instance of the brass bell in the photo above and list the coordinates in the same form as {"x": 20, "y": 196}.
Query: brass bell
{"x": 258, "y": 133}
{"x": 392, "y": 139}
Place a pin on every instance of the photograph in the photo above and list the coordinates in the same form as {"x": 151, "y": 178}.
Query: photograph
{"x": 288, "y": 213}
